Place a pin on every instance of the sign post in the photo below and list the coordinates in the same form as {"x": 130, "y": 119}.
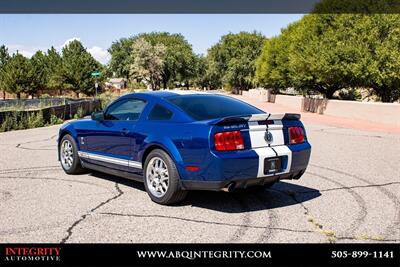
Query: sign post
{"x": 96, "y": 74}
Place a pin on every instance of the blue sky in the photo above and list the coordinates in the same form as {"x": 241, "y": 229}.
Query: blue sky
{"x": 29, "y": 33}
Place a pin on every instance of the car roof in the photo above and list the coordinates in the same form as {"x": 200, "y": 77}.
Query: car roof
{"x": 160, "y": 95}
{"x": 167, "y": 93}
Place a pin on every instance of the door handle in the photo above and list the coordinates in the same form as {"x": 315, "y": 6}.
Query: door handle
{"x": 125, "y": 131}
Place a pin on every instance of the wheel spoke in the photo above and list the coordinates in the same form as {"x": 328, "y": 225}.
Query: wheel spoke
{"x": 164, "y": 185}
{"x": 157, "y": 176}
{"x": 67, "y": 154}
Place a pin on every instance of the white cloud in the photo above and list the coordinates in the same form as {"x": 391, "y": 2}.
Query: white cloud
{"x": 100, "y": 54}
{"x": 26, "y": 51}
{"x": 97, "y": 52}
{"x": 69, "y": 40}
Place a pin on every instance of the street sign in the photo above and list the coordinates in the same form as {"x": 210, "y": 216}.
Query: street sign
{"x": 96, "y": 74}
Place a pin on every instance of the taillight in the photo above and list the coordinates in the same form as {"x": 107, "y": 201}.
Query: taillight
{"x": 296, "y": 135}
{"x": 227, "y": 141}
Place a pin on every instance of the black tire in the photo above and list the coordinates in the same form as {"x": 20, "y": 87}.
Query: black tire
{"x": 76, "y": 167}
{"x": 174, "y": 193}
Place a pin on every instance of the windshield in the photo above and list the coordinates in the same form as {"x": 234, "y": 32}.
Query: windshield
{"x": 207, "y": 107}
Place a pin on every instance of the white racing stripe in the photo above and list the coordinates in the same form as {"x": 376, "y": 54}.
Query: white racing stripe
{"x": 268, "y": 152}
{"x": 260, "y": 145}
{"x": 285, "y": 151}
{"x": 257, "y": 134}
{"x": 263, "y": 152}
{"x": 113, "y": 160}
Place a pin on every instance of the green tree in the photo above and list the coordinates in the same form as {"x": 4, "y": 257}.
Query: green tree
{"x": 308, "y": 55}
{"x": 328, "y": 52}
{"x": 121, "y": 59}
{"x": 77, "y": 66}
{"x": 54, "y": 70}
{"x": 4, "y": 57}
{"x": 357, "y": 6}
{"x": 232, "y": 59}
{"x": 380, "y": 64}
{"x": 179, "y": 59}
{"x": 200, "y": 78}
{"x": 16, "y": 78}
{"x": 38, "y": 73}
{"x": 148, "y": 62}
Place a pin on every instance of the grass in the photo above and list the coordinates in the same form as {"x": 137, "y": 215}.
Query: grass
{"x": 21, "y": 106}
{"x": 17, "y": 119}
{"x": 369, "y": 237}
{"x": 20, "y": 121}
{"x": 329, "y": 234}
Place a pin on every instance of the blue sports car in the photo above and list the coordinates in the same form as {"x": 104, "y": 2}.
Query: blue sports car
{"x": 175, "y": 141}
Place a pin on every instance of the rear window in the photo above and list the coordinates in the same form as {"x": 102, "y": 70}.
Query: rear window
{"x": 207, "y": 107}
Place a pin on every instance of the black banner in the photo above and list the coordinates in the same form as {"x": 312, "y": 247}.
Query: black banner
{"x": 198, "y": 6}
{"x": 199, "y": 254}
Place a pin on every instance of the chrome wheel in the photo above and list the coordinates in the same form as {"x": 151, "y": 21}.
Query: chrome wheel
{"x": 157, "y": 177}
{"x": 67, "y": 154}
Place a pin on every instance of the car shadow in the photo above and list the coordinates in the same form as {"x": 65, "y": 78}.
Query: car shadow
{"x": 281, "y": 194}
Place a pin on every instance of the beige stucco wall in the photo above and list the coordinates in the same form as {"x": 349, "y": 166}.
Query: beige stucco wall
{"x": 294, "y": 102}
{"x": 386, "y": 113}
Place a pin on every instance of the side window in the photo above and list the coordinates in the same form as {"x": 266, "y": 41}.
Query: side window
{"x": 125, "y": 110}
{"x": 160, "y": 113}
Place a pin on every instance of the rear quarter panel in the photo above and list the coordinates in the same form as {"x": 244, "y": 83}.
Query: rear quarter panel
{"x": 187, "y": 143}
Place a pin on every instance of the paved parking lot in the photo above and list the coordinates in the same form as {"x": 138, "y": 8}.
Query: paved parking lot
{"x": 350, "y": 193}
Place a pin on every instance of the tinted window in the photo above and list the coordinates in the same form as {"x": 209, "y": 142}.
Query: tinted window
{"x": 127, "y": 110}
{"x": 160, "y": 113}
{"x": 206, "y": 107}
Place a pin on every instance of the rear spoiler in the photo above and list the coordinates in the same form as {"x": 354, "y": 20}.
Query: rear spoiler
{"x": 255, "y": 117}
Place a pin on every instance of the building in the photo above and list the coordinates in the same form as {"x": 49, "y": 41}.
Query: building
{"x": 117, "y": 83}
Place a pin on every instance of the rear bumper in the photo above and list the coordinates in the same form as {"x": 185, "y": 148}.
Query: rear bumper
{"x": 243, "y": 173}
{"x": 238, "y": 183}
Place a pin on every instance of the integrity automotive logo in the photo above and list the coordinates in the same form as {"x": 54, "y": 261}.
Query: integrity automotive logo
{"x": 32, "y": 254}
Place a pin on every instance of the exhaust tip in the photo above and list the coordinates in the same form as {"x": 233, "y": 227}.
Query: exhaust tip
{"x": 229, "y": 188}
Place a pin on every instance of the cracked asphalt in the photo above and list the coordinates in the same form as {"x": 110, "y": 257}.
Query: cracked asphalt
{"x": 350, "y": 193}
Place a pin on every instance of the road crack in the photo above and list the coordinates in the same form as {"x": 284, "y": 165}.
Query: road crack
{"x": 390, "y": 229}
{"x": 367, "y": 238}
{"x": 345, "y": 188}
{"x": 359, "y": 200}
{"x": 329, "y": 234}
{"x": 83, "y": 217}
{"x": 203, "y": 221}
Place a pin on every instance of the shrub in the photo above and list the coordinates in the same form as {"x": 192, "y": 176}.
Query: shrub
{"x": 45, "y": 96}
{"x": 10, "y": 123}
{"x": 79, "y": 113}
{"x": 349, "y": 94}
{"x": 106, "y": 98}
{"x": 55, "y": 120}
{"x": 35, "y": 120}
{"x": 20, "y": 121}
{"x": 134, "y": 85}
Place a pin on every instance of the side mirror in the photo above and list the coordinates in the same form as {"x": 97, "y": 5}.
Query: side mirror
{"x": 98, "y": 116}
